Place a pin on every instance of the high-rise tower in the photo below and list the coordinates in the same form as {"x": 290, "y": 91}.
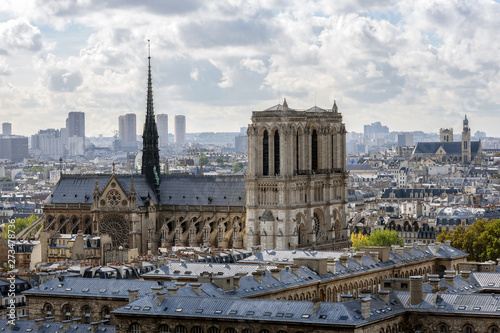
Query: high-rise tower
{"x": 180, "y": 130}
{"x": 162, "y": 121}
{"x": 150, "y": 151}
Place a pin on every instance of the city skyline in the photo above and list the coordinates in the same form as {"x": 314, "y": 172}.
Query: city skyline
{"x": 412, "y": 65}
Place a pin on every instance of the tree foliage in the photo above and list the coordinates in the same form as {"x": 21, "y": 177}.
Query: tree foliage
{"x": 481, "y": 240}
{"x": 237, "y": 166}
{"x": 204, "y": 160}
{"x": 20, "y": 225}
{"x": 377, "y": 238}
{"x": 358, "y": 240}
{"x": 384, "y": 238}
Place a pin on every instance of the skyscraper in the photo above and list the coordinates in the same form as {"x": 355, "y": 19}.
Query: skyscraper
{"x": 162, "y": 121}
{"x": 75, "y": 123}
{"x": 127, "y": 128}
{"x": 7, "y": 129}
{"x": 180, "y": 129}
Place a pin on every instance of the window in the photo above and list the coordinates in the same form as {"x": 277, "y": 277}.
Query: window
{"x": 48, "y": 310}
{"x": 164, "y": 329}
{"x": 443, "y": 329}
{"x": 265, "y": 154}
{"x": 67, "y": 312}
{"x": 276, "y": 153}
{"x": 105, "y": 313}
{"x": 86, "y": 314}
{"x": 213, "y": 330}
{"x": 314, "y": 150}
{"x": 469, "y": 329}
{"x": 135, "y": 328}
{"x": 197, "y": 329}
{"x": 180, "y": 329}
{"x": 494, "y": 330}
{"x": 230, "y": 330}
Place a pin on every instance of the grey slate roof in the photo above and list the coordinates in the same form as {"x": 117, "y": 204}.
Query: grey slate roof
{"x": 193, "y": 269}
{"x": 279, "y": 311}
{"x": 174, "y": 189}
{"x": 79, "y": 286}
{"x": 451, "y": 148}
{"x": 203, "y": 190}
{"x": 51, "y": 327}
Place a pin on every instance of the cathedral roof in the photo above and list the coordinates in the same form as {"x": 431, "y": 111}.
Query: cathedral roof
{"x": 451, "y": 148}
{"x": 174, "y": 189}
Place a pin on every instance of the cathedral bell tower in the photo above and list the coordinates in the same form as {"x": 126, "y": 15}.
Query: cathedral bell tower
{"x": 296, "y": 181}
{"x": 466, "y": 156}
{"x": 150, "y": 151}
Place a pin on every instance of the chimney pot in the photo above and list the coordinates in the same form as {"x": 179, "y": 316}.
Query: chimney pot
{"x": 160, "y": 297}
{"x": 133, "y": 295}
{"x": 384, "y": 295}
{"x": 316, "y": 304}
{"x": 415, "y": 290}
{"x": 365, "y": 307}
{"x": 466, "y": 275}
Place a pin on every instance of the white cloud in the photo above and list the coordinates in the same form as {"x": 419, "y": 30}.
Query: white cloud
{"x": 410, "y": 64}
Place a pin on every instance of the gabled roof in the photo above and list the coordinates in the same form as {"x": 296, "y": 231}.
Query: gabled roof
{"x": 451, "y": 148}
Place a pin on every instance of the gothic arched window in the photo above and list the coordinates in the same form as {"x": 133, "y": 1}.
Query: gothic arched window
{"x": 276, "y": 153}
{"x": 265, "y": 154}
{"x": 314, "y": 150}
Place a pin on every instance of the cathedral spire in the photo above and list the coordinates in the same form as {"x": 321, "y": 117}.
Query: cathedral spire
{"x": 150, "y": 151}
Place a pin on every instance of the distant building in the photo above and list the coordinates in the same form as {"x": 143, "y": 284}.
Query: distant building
{"x": 162, "y": 122}
{"x": 14, "y": 148}
{"x": 375, "y": 130}
{"x": 446, "y": 151}
{"x": 75, "y": 123}
{"x": 241, "y": 144}
{"x": 180, "y": 129}
{"x": 405, "y": 140}
{"x": 48, "y": 143}
{"x": 127, "y": 128}
{"x": 7, "y": 129}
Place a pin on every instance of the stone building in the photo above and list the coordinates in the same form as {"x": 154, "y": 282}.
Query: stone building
{"x": 294, "y": 194}
{"x": 296, "y": 182}
{"x": 448, "y": 151}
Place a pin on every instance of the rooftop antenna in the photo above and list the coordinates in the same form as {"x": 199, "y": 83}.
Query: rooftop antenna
{"x": 149, "y": 50}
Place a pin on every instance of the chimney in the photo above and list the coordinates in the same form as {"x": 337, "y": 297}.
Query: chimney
{"x": 345, "y": 250}
{"x": 422, "y": 247}
{"x": 172, "y": 291}
{"x": 133, "y": 295}
{"x": 365, "y": 307}
{"x": 330, "y": 265}
{"x": 43, "y": 277}
{"x": 449, "y": 277}
{"x": 437, "y": 246}
{"x": 343, "y": 259}
{"x": 399, "y": 251}
{"x": 434, "y": 284}
{"x": 296, "y": 270}
{"x": 180, "y": 284}
{"x": 415, "y": 290}
{"x": 316, "y": 304}
{"x": 346, "y": 298}
{"x": 38, "y": 324}
{"x": 236, "y": 281}
{"x": 409, "y": 249}
{"x": 256, "y": 249}
{"x": 384, "y": 295}
{"x": 94, "y": 326}
{"x": 466, "y": 275}
{"x": 156, "y": 289}
{"x": 374, "y": 256}
{"x": 448, "y": 242}
{"x": 358, "y": 256}
{"x": 257, "y": 275}
{"x": 196, "y": 287}
{"x": 160, "y": 297}
{"x": 65, "y": 325}
{"x": 276, "y": 273}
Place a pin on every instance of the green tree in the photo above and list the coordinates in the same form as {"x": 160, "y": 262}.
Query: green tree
{"x": 237, "y": 167}
{"x": 203, "y": 160}
{"x": 481, "y": 240}
{"x": 219, "y": 160}
{"x": 384, "y": 238}
{"x": 20, "y": 225}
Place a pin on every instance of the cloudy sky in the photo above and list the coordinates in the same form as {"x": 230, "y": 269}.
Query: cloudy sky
{"x": 410, "y": 64}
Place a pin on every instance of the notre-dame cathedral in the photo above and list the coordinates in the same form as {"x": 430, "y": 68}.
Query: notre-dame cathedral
{"x": 293, "y": 196}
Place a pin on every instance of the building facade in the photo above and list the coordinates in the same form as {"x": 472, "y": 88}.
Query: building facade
{"x": 162, "y": 121}
{"x": 296, "y": 181}
{"x": 127, "y": 129}
{"x": 180, "y": 130}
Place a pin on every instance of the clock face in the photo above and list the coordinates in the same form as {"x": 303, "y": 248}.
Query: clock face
{"x": 113, "y": 198}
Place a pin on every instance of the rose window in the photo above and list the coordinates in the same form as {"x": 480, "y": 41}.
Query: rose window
{"x": 113, "y": 198}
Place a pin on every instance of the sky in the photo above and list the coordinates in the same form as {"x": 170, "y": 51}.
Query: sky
{"x": 413, "y": 65}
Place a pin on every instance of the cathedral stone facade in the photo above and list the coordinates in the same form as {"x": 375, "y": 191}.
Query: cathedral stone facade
{"x": 296, "y": 181}
{"x": 294, "y": 194}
